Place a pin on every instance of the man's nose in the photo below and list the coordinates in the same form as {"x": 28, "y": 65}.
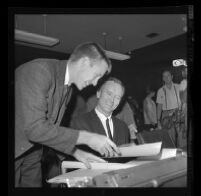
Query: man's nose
{"x": 112, "y": 99}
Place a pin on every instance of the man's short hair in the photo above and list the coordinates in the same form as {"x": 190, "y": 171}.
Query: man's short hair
{"x": 115, "y": 80}
{"x": 149, "y": 89}
{"x": 168, "y": 70}
{"x": 91, "y": 50}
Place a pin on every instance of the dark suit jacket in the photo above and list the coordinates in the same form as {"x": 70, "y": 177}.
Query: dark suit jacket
{"x": 90, "y": 122}
{"x": 39, "y": 106}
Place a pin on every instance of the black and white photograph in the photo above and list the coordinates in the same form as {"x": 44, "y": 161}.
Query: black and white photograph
{"x": 101, "y": 99}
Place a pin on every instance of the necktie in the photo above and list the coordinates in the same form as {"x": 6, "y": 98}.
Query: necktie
{"x": 108, "y": 129}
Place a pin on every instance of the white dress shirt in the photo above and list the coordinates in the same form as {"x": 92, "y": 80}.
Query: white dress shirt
{"x": 171, "y": 95}
{"x": 149, "y": 111}
{"x": 103, "y": 119}
{"x": 66, "y": 81}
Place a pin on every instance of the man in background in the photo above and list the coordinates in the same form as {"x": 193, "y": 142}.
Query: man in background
{"x": 149, "y": 110}
{"x": 168, "y": 104}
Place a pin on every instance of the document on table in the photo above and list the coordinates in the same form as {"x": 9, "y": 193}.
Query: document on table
{"x": 168, "y": 153}
{"x": 150, "y": 149}
{"x": 165, "y": 154}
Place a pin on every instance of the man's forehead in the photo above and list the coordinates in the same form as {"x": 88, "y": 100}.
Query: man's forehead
{"x": 110, "y": 85}
{"x": 166, "y": 73}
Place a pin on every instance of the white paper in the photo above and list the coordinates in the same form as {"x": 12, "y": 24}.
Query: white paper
{"x": 150, "y": 149}
{"x": 107, "y": 166}
{"x": 168, "y": 153}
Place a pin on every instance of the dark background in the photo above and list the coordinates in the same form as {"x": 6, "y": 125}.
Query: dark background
{"x": 142, "y": 69}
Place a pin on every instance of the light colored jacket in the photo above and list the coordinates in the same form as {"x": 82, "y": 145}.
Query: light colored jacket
{"x": 40, "y": 105}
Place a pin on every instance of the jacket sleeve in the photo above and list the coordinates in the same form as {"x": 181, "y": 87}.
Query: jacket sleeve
{"x": 31, "y": 90}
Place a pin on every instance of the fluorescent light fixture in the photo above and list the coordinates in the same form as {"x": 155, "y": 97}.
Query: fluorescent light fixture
{"x": 117, "y": 56}
{"x": 33, "y": 38}
{"x": 179, "y": 62}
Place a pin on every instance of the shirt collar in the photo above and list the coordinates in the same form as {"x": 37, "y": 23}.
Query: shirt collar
{"x": 171, "y": 86}
{"x": 66, "y": 81}
{"x": 102, "y": 116}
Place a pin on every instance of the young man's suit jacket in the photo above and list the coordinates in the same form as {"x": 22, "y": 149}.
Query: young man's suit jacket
{"x": 91, "y": 122}
{"x": 40, "y": 102}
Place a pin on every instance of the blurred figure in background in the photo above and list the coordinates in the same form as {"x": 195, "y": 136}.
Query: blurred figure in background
{"x": 137, "y": 112}
{"x": 149, "y": 110}
{"x": 169, "y": 113}
{"x": 183, "y": 93}
{"x": 125, "y": 114}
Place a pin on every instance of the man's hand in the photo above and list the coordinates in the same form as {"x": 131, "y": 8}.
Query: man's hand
{"x": 133, "y": 131}
{"x": 86, "y": 158}
{"x": 98, "y": 142}
{"x": 159, "y": 125}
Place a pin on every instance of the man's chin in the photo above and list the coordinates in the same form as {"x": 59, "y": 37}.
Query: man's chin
{"x": 108, "y": 110}
{"x": 82, "y": 87}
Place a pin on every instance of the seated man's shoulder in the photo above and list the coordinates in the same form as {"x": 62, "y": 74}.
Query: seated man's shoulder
{"x": 119, "y": 122}
{"x": 83, "y": 116}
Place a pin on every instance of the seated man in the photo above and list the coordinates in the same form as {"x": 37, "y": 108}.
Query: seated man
{"x": 100, "y": 119}
{"x": 123, "y": 112}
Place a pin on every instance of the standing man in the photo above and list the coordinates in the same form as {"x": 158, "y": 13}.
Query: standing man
{"x": 41, "y": 93}
{"x": 183, "y": 97}
{"x": 168, "y": 104}
{"x": 100, "y": 120}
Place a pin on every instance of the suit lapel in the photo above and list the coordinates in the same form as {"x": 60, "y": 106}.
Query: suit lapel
{"x": 97, "y": 124}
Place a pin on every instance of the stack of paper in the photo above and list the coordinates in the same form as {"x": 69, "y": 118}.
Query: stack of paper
{"x": 165, "y": 154}
{"x": 141, "y": 150}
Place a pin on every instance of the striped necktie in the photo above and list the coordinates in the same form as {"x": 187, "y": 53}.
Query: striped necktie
{"x": 108, "y": 129}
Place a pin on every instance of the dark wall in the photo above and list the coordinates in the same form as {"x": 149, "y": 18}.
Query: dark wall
{"x": 144, "y": 68}
{"x": 26, "y": 53}
{"x": 146, "y": 64}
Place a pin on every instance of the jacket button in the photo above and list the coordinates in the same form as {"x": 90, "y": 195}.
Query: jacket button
{"x": 22, "y": 148}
